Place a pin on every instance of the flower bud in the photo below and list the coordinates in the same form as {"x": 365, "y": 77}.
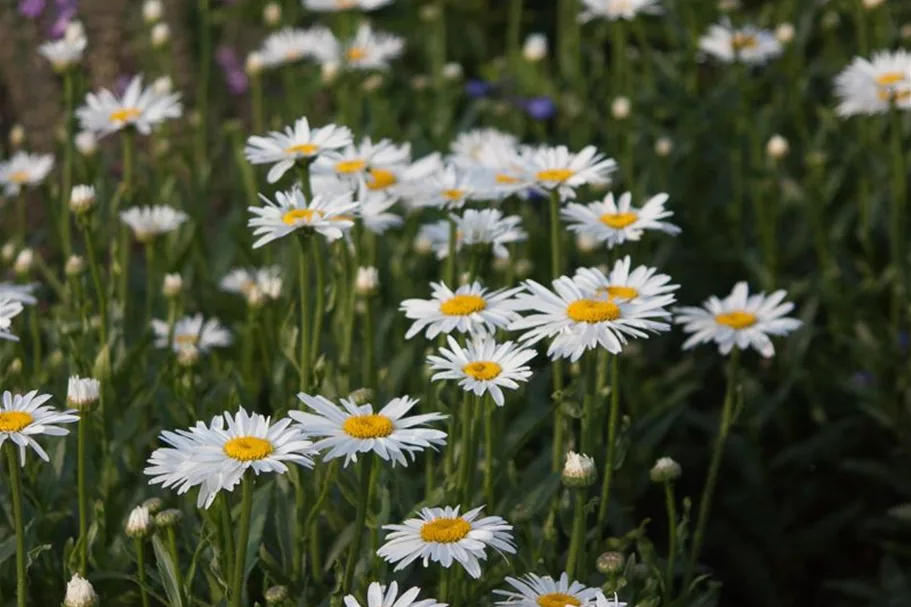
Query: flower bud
{"x": 163, "y": 85}
{"x": 8, "y": 251}
{"x": 367, "y": 282}
{"x": 151, "y": 11}
{"x": 168, "y": 518}
{"x": 372, "y": 83}
{"x": 153, "y": 505}
{"x": 830, "y": 20}
{"x": 254, "y": 64}
{"x": 15, "y": 367}
{"x": 586, "y": 243}
{"x": 188, "y": 356}
{"x": 75, "y": 266}
{"x": 728, "y": 6}
{"x": 55, "y": 359}
{"x": 23, "y": 263}
{"x": 422, "y": 246}
{"x": 870, "y": 4}
{"x": 665, "y": 470}
{"x": 419, "y": 82}
{"x": 429, "y": 12}
{"x": 784, "y": 33}
{"x": 610, "y": 563}
{"x": 329, "y": 71}
{"x": 276, "y": 595}
{"x": 524, "y": 268}
{"x": 905, "y": 31}
{"x": 173, "y": 285}
{"x": 79, "y": 593}
{"x": 620, "y": 108}
{"x": 86, "y": 143}
{"x": 501, "y": 264}
{"x": 82, "y": 392}
{"x": 272, "y": 14}
{"x": 82, "y": 199}
{"x": 535, "y": 47}
{"x": 777, "y": 147}
{"x": 17, "y": 135}
{"x": 361, "y": 396}
{"x": 578, "y": 471}
{"x": 140, "y": 522}
{"x": 161, "y": 34}
{"x": 452, "y": 71}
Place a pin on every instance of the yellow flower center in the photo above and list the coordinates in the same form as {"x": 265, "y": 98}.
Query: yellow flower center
{"x": 463, "y": 305}
{"x": 453, "y": 195}
{"x": 356, "y": 53}
{"x": 296, "y": 216}
{"x": 618, "y": 221}
{"x": 557, "y": 599}
{"x": 445, "y": 530}
{"x": 343, "y": 4}
{"x": 554, "y": 175}
{"x": 368, "y": 426}
{"x": 482, "y": 370}
{"x": 186, "y": 339}
{"x": 125, "y": 114}
{"x": 741, "y": 41}
{"x": 248, "y": 448}
{"x": 350, "y": 166}
{"x": 303, "y": 148}
{"x": 593, "y": 310}
{"x": 19, "y": 177}
{"x": 890, "y": 78}
{"x": 293, "y": 54}
{"x": 14, "y": 421}
{"x": 504, "y": 178}
{"x": 381, "y": 179}
{"x": 619, "y": 292}
{"x": 738, "y": 319}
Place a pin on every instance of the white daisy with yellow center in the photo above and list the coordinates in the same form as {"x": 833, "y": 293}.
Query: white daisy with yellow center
{"x": 543, "y": 591}
{"x": 601, "y": 600}
{"x": 23, "y": 293}
{"x": 67, "y": 51}
{"x": 149, "y": 222}
{"x": 9, "y": 309}
{"x": 555, "y": 168}
{"x": 24, "y": 170}
{"x": 191, "y": 333}
{"x": 469, "y": 309}
{"x": 873, "y": 86}
{"x": 472, "y": 146}
{"x": 579, "y": 320}
{"x": 483, "y": 229}
{"x": 216, "y": 457}
{"x": 139, "y": 108}
{"x": 23, "y": 417}
{"x": 367, "y": 50}
{"x": 740, "y": 319}
{"x": 483, "y": 366}
{"x": 379, "y": 595}
{"x": 613, "y": 10}
{"x": 444, "y": 536}
{"x": 373, "y": 164}
{"x": 300, "y": 142}
{"x": 748, "y": 44}
{"x": 353, "y": 429}
{"x": 290, "y": 45}
{"x": 614, "y": 222}
{"x": 449, "y": 188}
{"x": 373, "y": 210}
{"x": 254, "y": 284}
{"x": 333, "y": 6}
{"x": 640, "y": 284}
{"x": 329, "y": 216}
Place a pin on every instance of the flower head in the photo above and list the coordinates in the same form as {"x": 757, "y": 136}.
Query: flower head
{"x": 139, "y": 523}
{"x": 544, "y": 591}
{"x": 469, "y": 309}
{"x": 367, "y": 50}
{"x": 291, "y": 45}
{"x": 191, "y": 332}
{"x": 256, "y": 285}
{"x": 9, "y": 309}
{"x": 79, "y": 593}
{"x": 613, "y": 10}
{"x": 334, "y": 6}
{"x": 557, "y": 169}
{"x": 383, "y": 596}
{"x": 578, "y": 470}
{"x": 22, "y": 417}
{"x": 640, "y": 284}
{"x": 329, "y": 216}
{"x": 24, "y": 170}
{"x": 140, "y": 108}
{"x": 295, "y": 143}
{"x": 149, "y": 222}
{"x": 872, "y": 86}
{"x": 82, "y": 392}
{"x": 615, "y": 222}
{"x": 748, "y": 44}
{"x": 67, "y": 51}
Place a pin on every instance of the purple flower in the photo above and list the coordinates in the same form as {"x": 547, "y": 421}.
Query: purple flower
{"x": 540, "y": 108}
{"x": 64, "y": 16}
{"x": 31, "y": 8}
{"x": 235, "y": 77}
{"x": 478, "y": 88}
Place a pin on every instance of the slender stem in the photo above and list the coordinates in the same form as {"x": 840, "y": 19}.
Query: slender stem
{"x": 370, "y": 371}
{"x": 67, "y": 173}
{"x": 488, "y": 455}
{"x": 256, "y": 88}
{"x": 300, "y": 499}
{"x": 451, "y": 260}
{"x": 15, "y": 481}
{"x": 20, "y": 213}
{"x": 466, "y": 454}
{"x": 227, "y": 533}
{"x": 557, "y": 451}
{"x": 588, "y": 402}
{"x": 576, "y": 556}
{"x": 240, "y": 550}
{"x": 83, "y": 501}
{"x": 306, "y": 186}
{"x": 202, "y": 95}
{"x": 150, "y": 281}
{"x": 897, "y": 227}
{"x": 304, "y": 286}
{"x": 514, "y": 33}
{"x": 172, "y": 549}
{"x": 727, "y": 416}
{"x": 96, "y": 279}
{"x": 363, "y": 497}
{"x": 319, "y": 309}
{"x": 611, "y": 443}
{"x": 671, "y": 504}
{"x": 138, "y": 544}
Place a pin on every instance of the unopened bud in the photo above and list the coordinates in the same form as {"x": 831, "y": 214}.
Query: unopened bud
{"x": 168, "y": 518}
{"x": 163, "y": 85}
{"x": 784, "y": 33}
{"x": 153, "y": 505}
{"x": 777, "y": 147}
{"x": 868, "y": 4}
{"x": 15, "y": 367}
{"x": 152, "y": 10}
{"x": 524, "y": 268}
{"x": 372, "y": 83}
{"x": 161, "y": 34}
{"x": 664, "y": 146}
{"x": 272, "y": 14}
{"x": 535, "y": 48}
{"x": 578, "y": 471}
{"x": 139, "y": 524}
{"x": 82, "y": 392}
{"x": 23, "y": 263}
{"x": 329, "y": 71}
{"x": 17, "y": 135}
{"x": 610, "y": 563}
{"x": 276, "y": 595}
{"x": 172, "y": 286}
{"x": 79, "y": 593}
{"x": 586, "y": 242}
{"x": 75, "y": 266}
{"x": 665, "y": 470}
{"x": 254, "y": 64}
{"x": 82, "y": 199}
{"x": 367, "y": 281}
{"x": 452, "y": 71}
{"x": 620, "y": 108}
{"x": 86, "y": 143}
{"x": 362, "y": 396}
{"x": 429, "y": 12}
{"x": 419, "y": 82}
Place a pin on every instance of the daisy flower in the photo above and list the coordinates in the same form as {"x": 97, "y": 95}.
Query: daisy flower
{"x": 296, "y": 143}
{"x": 444, "y": 536}
{"x": 543, "y": 591}
{"x": 192, "y": 332}
{"x": 872, "y": 86}
{"x": 615, "y": 222}
{"x": 215, "y": 457}
{"x": 483, "y": 366}
{"x": 748, "y": 44}
{"x": 450, "y": 188}
{"x": 602, "y": 601}
{"x": 22, "y": 417}
{"x": 18, "y": 292}
{"x": 617, "y": 9}
{"x": 558, "y": 169}
{"x": 66, "y": 52}
{"x": 579, "y": 320}
{"x": 470, "y": 147}
{"x": 368, "y": 50}
{"x": 149, "y": 222}
{"x": 740, "y": 319}
{"x": 488, "y": 227}
{"x": 334, "y": 6}
{"x": 253, "y": 283}
{"x": 9, "y": 309}
{"x": 291, "y": 212}
{"x": 365, "y": 162}
{"x": 383, "y": 596}
{"x": 290, "y": 45}
{"x": 373, "y": 207}
{"x": 24, "y": 169}
{"x": 139, "y": 108}
{"x": 641, "y": 284}
{"x": 351, "y": 429}
{"x": 468, "y": 309}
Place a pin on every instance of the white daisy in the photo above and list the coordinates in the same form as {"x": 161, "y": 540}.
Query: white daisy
{"x": 18, "y": 292}
{"x": 748, "y": 44}
{"x": 298, "y": 142}
{"x": 373, "y": 210}
{"x": 556, "y": 168}
{"x": 483, "y": 366}
{"x": 602, "y": 601}
{"x": 149, "y": 222}
{"x": 470, "y": 147}
{"x": 469, "y": 309}
{"x": 614, "y": 223}
{"x": 449, "y": 188}
{"x": 215, "y": 457}
{"x": 873, "y": 86}
{"x": 368, "y": 50}
{"x": 253, "y": 283}
{"x": 66, "y": 52}
{"x": 351, "y": 429}
{"x": 409, "y": 177}
{"x": 544, "y": 591}
{"x": 740, "y": 319}
{"x": 139, "y": 108}
{"x": 383, "y": 596}
{"x": 365, "y": 162}
{"x": 617, "y": 9}
{"x": 192, "y": 332}
{"x": 579, "y": 320}
{"x": 82, "y": 391}
{"x": 345, "y": 5}
{"x": 24, "y": 416}
{"x": 641, "y": 284}
{"x": 9, "y": 309}
{"x": 290, "y": 45}
{"x": 488, "y": 227}
{"x": 24, "y": 169}
{"x": 291, "y": 212}
{"x": 444, "y": 536}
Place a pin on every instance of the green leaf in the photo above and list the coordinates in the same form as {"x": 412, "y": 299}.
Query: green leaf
{"x": 168, "y": 573}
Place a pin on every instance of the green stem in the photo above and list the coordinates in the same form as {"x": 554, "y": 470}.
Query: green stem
{"x": 20, "y": 213}
{"x": 576, "y": 556}
{"x": 450, "y": 276}
{"x": 202, "y": 96}
{"x": 227, "y": 533}
{"x": 172, "y": 548}
{"x": 671, "y": 505}
{"x": 240, "y": 550}
{"x": 304, "y": 328}
{"x": 319, "y": 308}
{"x": 557, "y": 451}
{"x": 15, "y": 481}
{"x": 150, "y": 281}
{"x": 514, "y": 33}
{"x": 83, "y": 501}
{"x": 897, "y": 227}
{"x": 370, "y": 370}
{"x": 727, "y": 418}
{"x": 611, "y": 443}
{"x": 67, "y": 173}
{"x": 256, "y": 88}
{"x": 466, "y": 455}
{"x": 588, "y": 402}
{"x": 363, "y": 497}
{"x": 488, "y": 455}
{"x": 141, "y": 567}
{"x": 96, "y": 279}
